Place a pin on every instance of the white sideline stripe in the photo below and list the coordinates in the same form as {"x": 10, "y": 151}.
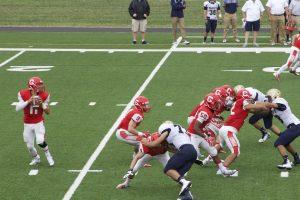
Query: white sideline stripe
{"x": 14, "y": 103}
{"x": 121, "y": 104}
{"x": 92, "y": 103}
{"x": 68, "y": 195}
{"x": 53, "y": 103}
{"x": 237, "y": 70}
{"x": 179, "y": 49}
{"x": 33, "y": 172}
{"x": 76, "y": 170}
{"x": 224, "y": 44}
{"x": 228, "y": 38}
{"x": 12, "y": 58}
{"x": 169, "y": 104}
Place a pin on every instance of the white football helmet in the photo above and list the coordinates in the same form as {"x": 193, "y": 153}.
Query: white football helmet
{"x": 274, "y": 93}
{"x": 164, "y": 126}
{"x": 237, "y": 88}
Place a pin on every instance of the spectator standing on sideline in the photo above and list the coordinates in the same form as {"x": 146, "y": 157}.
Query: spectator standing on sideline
{"x": 139, "y": 10}
{"x": 294, "y": 11}
{"x": 252, "y": 12}
{"x": 230, "y": 8}
{"x": 276, "y": 9}
{"x": 177, "y": 16}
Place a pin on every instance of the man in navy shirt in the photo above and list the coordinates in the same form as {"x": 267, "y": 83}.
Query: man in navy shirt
{"x": 178, "y": 18}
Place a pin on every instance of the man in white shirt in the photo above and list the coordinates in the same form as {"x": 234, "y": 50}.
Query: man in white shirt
{"x": 294, "y": 11}
{"x": 276, "y": 9}
{"x": 252, "y": 12}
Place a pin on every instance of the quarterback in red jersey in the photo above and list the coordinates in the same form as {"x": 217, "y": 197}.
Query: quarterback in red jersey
{"x": 127, "y": 131}
{"x": 293, "y": 61}
{"x": 34, "y": 102}
{"x": 144, "y": 155}
{"x": 239, "y": 112}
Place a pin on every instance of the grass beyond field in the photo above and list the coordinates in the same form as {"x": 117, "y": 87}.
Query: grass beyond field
{"x": 97, "y": 13}
{"x": 74, "y": 129}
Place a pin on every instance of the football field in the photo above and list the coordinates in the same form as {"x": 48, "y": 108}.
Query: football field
{"x": 93, "y": 78}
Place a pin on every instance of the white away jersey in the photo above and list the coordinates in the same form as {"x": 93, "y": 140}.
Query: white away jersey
{"x": 212, "y": 9}
{"x": 257, "y": 95}
{"x": 285, "y": 116}
{"x": 177, "y": 134}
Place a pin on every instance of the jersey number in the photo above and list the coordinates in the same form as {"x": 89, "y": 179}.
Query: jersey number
{"x": 179, "y": 128}
{"x": 33, "y": 111}
{"x": 212, "y": 12}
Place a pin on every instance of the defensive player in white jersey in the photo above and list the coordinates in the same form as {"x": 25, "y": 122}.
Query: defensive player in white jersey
{"x": 181, "y": 162}
{"x": 212, "y": 9}
{"x": 282, "y": 111}
{"x": 258, "y": 96}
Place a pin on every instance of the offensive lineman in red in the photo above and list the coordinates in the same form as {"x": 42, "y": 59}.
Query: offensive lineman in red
{"x": 34, "y": 102}
{"x": 293, "y": 61}
{"x": 127, "y": 131}
{"x": 239, "y": 112}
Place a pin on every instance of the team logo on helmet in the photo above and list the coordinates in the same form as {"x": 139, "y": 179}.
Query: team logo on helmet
{"x": 243, "y": 94}
{"x": 35, "y": 84}
{"x": 213, "y": 101}
{"x": 142, "y": 103}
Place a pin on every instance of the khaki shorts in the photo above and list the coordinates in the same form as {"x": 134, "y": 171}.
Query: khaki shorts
{"x": 230, "y": 19}
{"x": 139, "y": 25}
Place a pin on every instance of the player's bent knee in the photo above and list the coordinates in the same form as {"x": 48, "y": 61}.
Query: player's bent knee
{"x": 43, "y": 144}
{"x": 277, "y": 143}
{"x": 252, "y": 120}
{"x": 213, "y": 152}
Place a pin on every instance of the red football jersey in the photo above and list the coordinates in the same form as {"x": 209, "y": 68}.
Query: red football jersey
{"x": 134, "y": 114}
{"x": 155, "y": 150}
{"x": 33, "y": 115}
{"x": 238, "y": 114}
{"x": 296, "y": 41}
{"x": 194, "y": 111}
{"x": 204, "y": 114}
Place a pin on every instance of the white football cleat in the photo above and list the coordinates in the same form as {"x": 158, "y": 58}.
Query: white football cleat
{"x": 122, "y": 186}
{"x": 277, "y": 76}
{"x": 207, "y": 160}
{"x": 237, "y": 40}
{"x": 185, "y": 186}
{"x": 50, "y": 160}
{"x": 286, "y": 165}
{"x": 228, "y": 172}
{"x": 224, "y": 40}
{"x": 186, "y": 42}
{"x": 264, "y": 138}
{"x": 36, "y": 160}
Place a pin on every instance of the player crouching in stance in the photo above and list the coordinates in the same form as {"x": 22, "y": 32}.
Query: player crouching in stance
{"x": 144, "y": 155}
{"x": 212, "y": 104}
{"x": 293, "y": 61}
{"x": 239, "y": 112}
{"x": 127, "y": 131}
{"x": 185, "y": 156}
{"x": 34, "y": 102}
{"x": 282, "y": 111}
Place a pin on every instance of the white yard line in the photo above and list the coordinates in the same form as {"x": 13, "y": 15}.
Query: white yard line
{"x": 228, "y": 38}
{"x": 237, "y": 70}
{"x": 91, "y": 170}
{"x": 12, "y": 58}
{"x": 33, "y": 172}
{"x": 92, "y": 103}
{"x": 179, "y": 49}
{"x": 68, "y": 195}
{"x": 122, "y": 104}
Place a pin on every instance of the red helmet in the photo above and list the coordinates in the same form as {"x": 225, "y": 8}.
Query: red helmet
{"x": 213, "y": 101}
{"x": 243, "y": 94}
{"x": 221, "y": 92}
{"x": 229, "y": 90}
{"x": 142, "y": 103}
{"x": 36, "y": 84}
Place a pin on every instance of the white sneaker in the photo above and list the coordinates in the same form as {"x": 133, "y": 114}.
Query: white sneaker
{"x": 272, "y": 43}
{"x": 285, "y": 44}
{"x": 186, "y": 42}
{"x": 255, "y": 44}
{"x": 185, "y": 185}
{"x": 35, "y": 160}
{"x": 245, "y": 45}
{"x": 287, "y": 165}
{"x": 277, "y": 76}
{"x": 50, "y": 160}
{"x": 224, "y": 40}
{"x": 237, "y": 40}
{"x": 264, "y": 138}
